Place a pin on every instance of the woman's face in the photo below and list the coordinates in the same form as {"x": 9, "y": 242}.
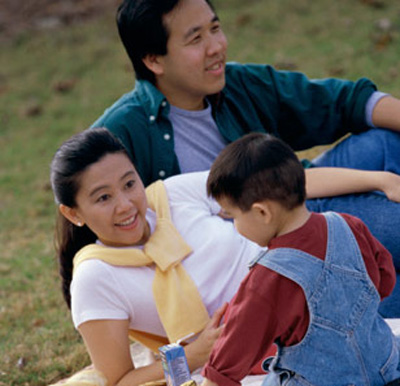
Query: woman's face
{"x": 111, "y": 201}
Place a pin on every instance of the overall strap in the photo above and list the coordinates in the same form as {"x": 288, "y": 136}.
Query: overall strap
{"x": 342, "y": 247}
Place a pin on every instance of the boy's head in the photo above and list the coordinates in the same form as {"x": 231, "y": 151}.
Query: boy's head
{"x": 178, "y": 45}
{"x": 254, "y": 170}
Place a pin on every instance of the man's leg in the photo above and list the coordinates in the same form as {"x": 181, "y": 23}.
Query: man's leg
{"x": 382, "y": 217}
{"x": 375, "y": 149}
{"x": 390, "y": 307}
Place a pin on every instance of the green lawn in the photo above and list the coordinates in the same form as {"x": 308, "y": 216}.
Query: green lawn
{"x": 56, "y": 83}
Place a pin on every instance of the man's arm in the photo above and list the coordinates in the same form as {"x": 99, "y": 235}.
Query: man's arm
{"x": 329, "y": 182}
{"x": 386, "y": 113}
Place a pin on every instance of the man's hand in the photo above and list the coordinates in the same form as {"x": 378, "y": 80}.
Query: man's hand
{"x": 390, "y": 185}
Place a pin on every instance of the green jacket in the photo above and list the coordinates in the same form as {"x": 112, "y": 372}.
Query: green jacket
{"x": 302, "y": 112}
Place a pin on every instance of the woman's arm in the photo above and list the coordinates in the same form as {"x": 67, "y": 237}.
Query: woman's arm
{"x": 328, "y": 182}
{"x": 108, "y": 343}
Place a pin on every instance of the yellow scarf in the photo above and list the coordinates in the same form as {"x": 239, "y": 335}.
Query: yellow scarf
{"x": 179, "y": 304}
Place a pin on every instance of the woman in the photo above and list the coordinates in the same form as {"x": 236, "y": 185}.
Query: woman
{"x": 151, "y": 265}
{"x": 102, "y": 198}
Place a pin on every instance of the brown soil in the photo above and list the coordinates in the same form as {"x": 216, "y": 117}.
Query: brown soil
{"x": 17, "y": 16}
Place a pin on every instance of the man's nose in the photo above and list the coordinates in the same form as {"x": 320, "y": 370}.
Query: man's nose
{"x": 216, "y": 43}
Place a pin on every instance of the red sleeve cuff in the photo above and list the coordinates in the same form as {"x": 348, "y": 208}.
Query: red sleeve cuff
{"x": 213, "y": 375}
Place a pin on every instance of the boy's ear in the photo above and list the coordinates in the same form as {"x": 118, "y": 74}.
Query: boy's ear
{"x": 154, "y": 63}
{"x": 263, "y": 210}
{"x": 71, "y": 215}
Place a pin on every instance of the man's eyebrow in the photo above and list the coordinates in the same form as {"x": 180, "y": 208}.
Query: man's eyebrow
{"x": 195, "y": 29}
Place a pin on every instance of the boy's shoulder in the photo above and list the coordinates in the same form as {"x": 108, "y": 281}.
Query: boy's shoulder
{"x": 355, "y": 223}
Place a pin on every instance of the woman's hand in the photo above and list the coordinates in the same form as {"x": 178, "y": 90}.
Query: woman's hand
{"x": 207, "y": 382}
{"x": 198, "y": 351}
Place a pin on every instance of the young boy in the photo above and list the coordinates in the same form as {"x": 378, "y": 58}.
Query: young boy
{"x": 315, "y": 292}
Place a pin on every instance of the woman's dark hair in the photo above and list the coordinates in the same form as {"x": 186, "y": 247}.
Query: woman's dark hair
{"x": 69, "y": 162}
{"x": 255, "y": 168}
{"x": 142, "y": 31}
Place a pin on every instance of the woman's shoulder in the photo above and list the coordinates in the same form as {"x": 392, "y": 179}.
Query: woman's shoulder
{"x": 187, "y": 181}
{"x": 95, "y": 276}
{"x": 191, "y": 188}
{"x": 92, "y": 271}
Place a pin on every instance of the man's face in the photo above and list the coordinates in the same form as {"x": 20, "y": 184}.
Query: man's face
{"x": 194, "y": 65}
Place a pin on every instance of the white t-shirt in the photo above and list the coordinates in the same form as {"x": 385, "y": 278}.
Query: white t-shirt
{"x": 217, "y": 265}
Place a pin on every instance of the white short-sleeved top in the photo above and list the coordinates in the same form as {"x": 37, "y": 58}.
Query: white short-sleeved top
{"x": 217, "y": 265}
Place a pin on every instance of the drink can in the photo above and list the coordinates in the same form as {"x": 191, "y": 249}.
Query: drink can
{"x": 175, "y": 366}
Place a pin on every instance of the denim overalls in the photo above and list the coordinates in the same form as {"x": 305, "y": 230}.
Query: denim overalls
{"x": 347, "y": 342}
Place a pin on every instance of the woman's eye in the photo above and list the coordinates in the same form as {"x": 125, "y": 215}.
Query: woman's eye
{"x": 103, "y": 198}
{"x": 130, "y": 184}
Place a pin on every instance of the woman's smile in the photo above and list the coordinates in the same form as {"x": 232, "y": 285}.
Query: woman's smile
{"x": 113, "y": 204}
{"x": 129, "y": 223}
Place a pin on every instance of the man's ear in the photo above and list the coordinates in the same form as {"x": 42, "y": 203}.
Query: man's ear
{"x": 154, "y": 63}
{"x": 71, "y": 215}
{"x": 263, "y": 210}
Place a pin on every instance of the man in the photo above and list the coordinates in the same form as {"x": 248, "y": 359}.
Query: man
{"x": 188, "y": 104}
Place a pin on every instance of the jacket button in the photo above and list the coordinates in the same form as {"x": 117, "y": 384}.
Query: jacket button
{"x": 161, "y": 173}
{"x": 167, "y": 137}
{"x": 152, "y": 118}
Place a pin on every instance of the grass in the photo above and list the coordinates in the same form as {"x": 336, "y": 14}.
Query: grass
{"x": 56, "y": 83}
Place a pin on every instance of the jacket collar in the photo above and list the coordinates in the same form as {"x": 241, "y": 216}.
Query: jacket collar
{"x": 150, "y": 97}
{"x": 154, "y": 102}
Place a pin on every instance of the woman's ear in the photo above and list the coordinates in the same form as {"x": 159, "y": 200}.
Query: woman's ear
{"x": 71, "y": 215}
{"x": 263, "y": 210}
{"x": 154, "y": 63}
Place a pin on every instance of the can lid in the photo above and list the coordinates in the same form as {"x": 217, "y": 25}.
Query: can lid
{"x": 189, "y": 383}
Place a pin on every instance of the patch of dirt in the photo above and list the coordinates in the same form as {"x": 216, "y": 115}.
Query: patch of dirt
{"x": 18, "y": 16}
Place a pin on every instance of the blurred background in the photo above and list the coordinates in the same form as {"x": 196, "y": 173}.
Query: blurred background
{"x": 61, "y": 65}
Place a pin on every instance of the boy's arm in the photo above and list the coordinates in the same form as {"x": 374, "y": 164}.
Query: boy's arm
{"x": 248, "y": 334}
{"x": 328, "y": 182}
{"x": 377, "y": 258}
{"x": 198, "y": 351}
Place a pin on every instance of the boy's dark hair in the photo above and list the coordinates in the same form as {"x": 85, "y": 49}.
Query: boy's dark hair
{"x": 257, "y": 167}
{"x": 142, "y": 31}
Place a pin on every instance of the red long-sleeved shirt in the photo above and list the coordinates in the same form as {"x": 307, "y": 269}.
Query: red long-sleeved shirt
{"x": 269, "y": 307}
